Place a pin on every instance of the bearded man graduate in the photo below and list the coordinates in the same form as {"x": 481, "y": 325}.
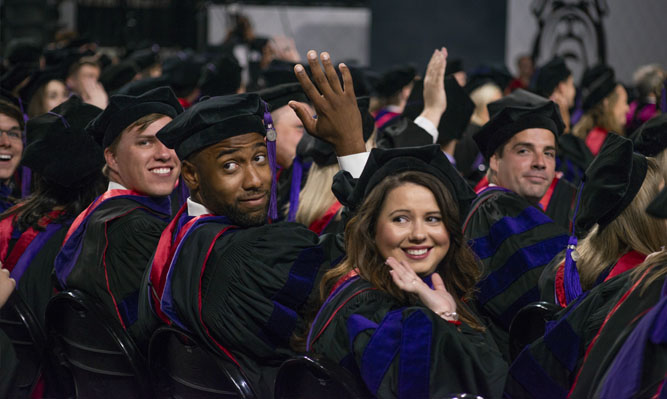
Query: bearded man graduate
{"x": 507, "y": 228}
{"x": 109, "y": 245}
{"x": 238, "y": 283}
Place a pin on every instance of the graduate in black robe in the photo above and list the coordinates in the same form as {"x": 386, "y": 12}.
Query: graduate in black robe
{"x": 594, "y": 348}
{"x": 108, "y": 246}
{"x": 32, "y": 232}
{"x": 612, "y": 185}
{"x": 609, "y": 221}
{"x": 398, "y": 342}
{"x": 240, "y": 285}
{"x": 510, "y": 234}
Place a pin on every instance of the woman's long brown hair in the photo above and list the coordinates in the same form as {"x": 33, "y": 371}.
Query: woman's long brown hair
{"x": 459, "y": 269}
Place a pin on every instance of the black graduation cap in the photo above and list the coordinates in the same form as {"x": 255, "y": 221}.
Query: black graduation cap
{"x": 39, "y": 79}
{"x": 115, "y": 76}
{"x": 74, "y": 56}
{"x": 23, "y": 51}
{"x": 279, "y": 72}
{"x": 183, "y": 70}
{"x": 213, "y": 120}
{"x": 279, "y": 96}
{"x": 650, "y": 139}
{"x": 597, "y": 83}
{"x": 611, "y": 182}
{"x": 474, "y": 82}
{"x": 321, "y": 152}
{"x": 58, "y": 147}
{"x": 453, "y": 65}
{"x": 123, "y": 110}
{"x": 141, "y": 86}
{"x": 513, "y": 113}
{"x": 658, "y": 207}
{"x": 484, "y": 73}
{"x": 7, "y": 96}
{"x": 71, "y": 114}
{"x": 457, "y": 115}
{"x": 146, "y": 57}
{"x": 549, "y": 75}
{"x": 17, "y": 74}
{"x": 221, "y": 77}
{"x": 393, "y": 80}
{"x": 386, "y": 162}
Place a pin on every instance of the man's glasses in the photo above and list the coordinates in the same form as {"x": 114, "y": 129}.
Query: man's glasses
{"x": 13, "y": 133}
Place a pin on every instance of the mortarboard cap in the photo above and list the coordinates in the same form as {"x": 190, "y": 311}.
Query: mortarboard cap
{"x": 454, "y": 65}
{"x": 23, "y": 51}
{"x": 124, "y": 110}
{"x": 141, "y": 86}
{"x": 513, "y": 113}
{"x": 598, "y": 82}
{"x": 483, "y": 74}
{"x": 549, "y": 75}
{"x": 611, "y": 182}
{"x": 115, "y": 76}
{"x": 221, "y": 77}
{"x": 279, "y": 72}
{"x": 279, "y": 96}
{"x": 650, "y": 139}
{"x": 183, "y": 71}
{"x": 59, "y": 135}
{"x": 146, "y": 57}
{"x": 387, "y": 162}
{"x": 393, "y": 80}
{"x": 213, "y": 120}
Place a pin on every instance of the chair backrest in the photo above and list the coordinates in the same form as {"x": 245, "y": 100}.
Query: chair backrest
{"x": 29, "y": 340}
{"x": 98, "y": 352}
{"x": 314, "y": 376}
{"x": 183, "y": 368}
{"x": 529, "y": 324}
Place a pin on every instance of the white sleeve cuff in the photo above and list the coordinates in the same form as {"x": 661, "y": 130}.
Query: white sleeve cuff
{"x": 427, "y": 125}
{"x": 353, "y": 163}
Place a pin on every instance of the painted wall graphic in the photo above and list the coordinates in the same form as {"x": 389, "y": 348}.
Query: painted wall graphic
{"x": 571, "y": 29}
{"x": 625, "y": 34}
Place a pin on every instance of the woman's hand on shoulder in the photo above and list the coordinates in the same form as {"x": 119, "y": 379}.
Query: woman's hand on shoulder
{"x": 438, "y": 299}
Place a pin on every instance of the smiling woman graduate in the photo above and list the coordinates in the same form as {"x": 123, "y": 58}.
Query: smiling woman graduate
{"x": 403, "y": 325}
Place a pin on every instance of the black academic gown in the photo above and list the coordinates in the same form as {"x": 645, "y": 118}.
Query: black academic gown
{"x": 548, "y": 366}
{"x": 245, "y": 291}
{"x": 36, "y": 284}
{"x": 117, "y": 244}
{"x": 573, "y": 158}
{"x": 469, "y": 161}
{"x": 404, "y": 351}
{"x": 611, "y": 358}
{"x": 402, "y": 132}
{"x": 515, "y": 241}
{"x": 8, "y": 364}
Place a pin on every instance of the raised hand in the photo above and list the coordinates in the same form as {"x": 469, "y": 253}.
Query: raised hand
{"x": 438, "y": 299}
{"x": 7, "y": 285}
{"x": 92, "y": 92}
{"x": 435, "y": 98}
{"x": 338, "y": 119}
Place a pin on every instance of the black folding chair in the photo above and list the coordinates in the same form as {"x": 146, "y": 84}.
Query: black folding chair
{"x": 93, "y": 346}
{"x": 182, "y": 368}
{"x": 314, "y": 376}
{"x": 29, "y": 340}
{"x": 529, "y": 324}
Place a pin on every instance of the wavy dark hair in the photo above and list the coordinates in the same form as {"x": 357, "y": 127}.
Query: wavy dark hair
{"x": 48, "y": 196}
{"x": 459, "y": 268}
